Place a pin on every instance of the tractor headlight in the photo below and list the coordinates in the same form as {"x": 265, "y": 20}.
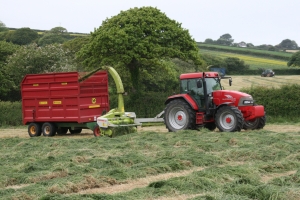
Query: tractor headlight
{"x": 247, "y": 102}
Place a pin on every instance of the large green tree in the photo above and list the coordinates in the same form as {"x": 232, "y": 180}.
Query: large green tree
{"x": 294, "y": 60}
{"x": 140, "y": 41}
{"x": 6, "y": 49}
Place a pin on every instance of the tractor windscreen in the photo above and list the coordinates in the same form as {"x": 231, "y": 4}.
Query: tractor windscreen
{"x": 212, "y": 84}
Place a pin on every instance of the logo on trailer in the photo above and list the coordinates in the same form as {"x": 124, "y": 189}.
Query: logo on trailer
{"x": 93, "y": 100}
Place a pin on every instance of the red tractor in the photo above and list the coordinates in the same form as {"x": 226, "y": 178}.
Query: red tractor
{"x": 203, "y": 102}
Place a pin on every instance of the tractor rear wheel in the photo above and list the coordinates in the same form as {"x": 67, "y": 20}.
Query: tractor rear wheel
{"x": 229, "y": 119}
{"x": 257, "y": 123}
{"x": 34, "y": 129}
{"x": 48, "y": 129}
{"x": 179, "y": 116}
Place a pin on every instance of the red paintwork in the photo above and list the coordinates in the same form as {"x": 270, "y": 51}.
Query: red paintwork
{"x": 187, "y": 97}
{"x": 228, "y": 96}
{"x": 199, "y": 75}
{"x": 60, "y": 97}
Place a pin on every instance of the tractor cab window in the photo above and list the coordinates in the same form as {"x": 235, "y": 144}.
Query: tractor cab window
{"x": 192, "y": 86}
{"x": 212, "y": 84}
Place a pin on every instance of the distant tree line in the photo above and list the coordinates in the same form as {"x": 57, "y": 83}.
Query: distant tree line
{"x": 226, "y": 39}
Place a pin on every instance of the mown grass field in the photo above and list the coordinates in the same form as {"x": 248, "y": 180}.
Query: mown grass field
{"x": 153, "y": 165}
{"x": 239, "y": 82}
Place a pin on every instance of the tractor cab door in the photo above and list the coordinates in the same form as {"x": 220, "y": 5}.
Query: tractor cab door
{"x": 194, "y": 87}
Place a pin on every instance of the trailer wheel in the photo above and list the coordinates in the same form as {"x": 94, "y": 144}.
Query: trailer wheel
{"x": 48, "y": 129}
{"x": 62, "y": 130}
{"x": 75, "y": 131}
{"x": 97, "y": 131}
{"x": 34, "y": 130}
{"x": 179, "y": 116}
{"x": 229, "y": 119}
{"x": 257, "y": 123}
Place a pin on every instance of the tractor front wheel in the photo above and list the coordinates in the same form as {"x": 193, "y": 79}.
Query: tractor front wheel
{"x": 179, "y": 116}
{"x": 257, "y": 123}
{"x": 229, "y": 119}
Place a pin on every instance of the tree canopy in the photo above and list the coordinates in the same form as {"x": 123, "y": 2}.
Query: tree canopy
{"x": 23, "y": 36}
{"x": 225, "y": 39}
{"x": 294, "y": 60}
{"x": 3, "y": 27}
{"x": 288, "y": 44}
{"x": 138, "y": 41}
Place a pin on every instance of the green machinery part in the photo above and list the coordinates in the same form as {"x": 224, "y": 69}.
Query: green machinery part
{"x": 117, "y": 117}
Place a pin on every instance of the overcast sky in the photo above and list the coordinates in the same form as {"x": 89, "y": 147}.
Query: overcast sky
{"x": 252, "y": 21}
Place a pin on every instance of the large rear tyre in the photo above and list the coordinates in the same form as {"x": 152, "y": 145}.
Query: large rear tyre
{"x": 34, "y": 129}
{"x": 257, "y": 123}
{"x": 179, "y": 116}
{"x": 229, "y": 119}
{"x": 48, "y": 129}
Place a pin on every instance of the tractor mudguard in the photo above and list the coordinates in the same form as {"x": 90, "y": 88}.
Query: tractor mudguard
{"x": 186, "y": 97}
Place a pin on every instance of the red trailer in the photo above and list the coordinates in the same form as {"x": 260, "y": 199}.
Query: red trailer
{"x": 57, "y": 102}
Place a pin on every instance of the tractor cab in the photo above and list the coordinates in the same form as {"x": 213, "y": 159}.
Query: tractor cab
{"x": 200, "y": 86}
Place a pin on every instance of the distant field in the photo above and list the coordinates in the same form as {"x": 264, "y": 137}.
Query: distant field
{"x": 239, "y": 82}
{"x": 254, "y": 62}
{"x": 240, "y": 50}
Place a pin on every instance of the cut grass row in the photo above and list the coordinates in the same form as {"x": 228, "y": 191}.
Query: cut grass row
{"x": 233, "y": 165}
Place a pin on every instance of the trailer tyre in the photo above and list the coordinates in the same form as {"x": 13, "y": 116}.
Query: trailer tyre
{"x": 97, "y": 131}
{"x": 75, "y": 131}
{"x": 62, "y": 130}
{"x": 34, "y": 130}
{"x": 179, "y": 116}
{"x": 229, "y": 119}
{"x": 257, "y": 123}
{"x": 48, "y": 129}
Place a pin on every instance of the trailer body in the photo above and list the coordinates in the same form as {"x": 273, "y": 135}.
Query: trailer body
{"x": 63, "y": 100}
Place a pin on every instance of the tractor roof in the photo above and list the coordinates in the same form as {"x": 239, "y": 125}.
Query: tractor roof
{"x": 199, "y": 75}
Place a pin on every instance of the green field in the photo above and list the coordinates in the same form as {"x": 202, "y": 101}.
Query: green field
{"x": 252, "y": 61}
{"x": 153, "y": 165}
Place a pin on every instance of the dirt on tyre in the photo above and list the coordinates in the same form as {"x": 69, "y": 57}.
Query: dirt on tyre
{"x": 34, "y": 129}
{"x": 229, "y": 119}
{"x": 179, "y": 116}
{"x": 257, "y": 123}
{"x": 48, "y": 129}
